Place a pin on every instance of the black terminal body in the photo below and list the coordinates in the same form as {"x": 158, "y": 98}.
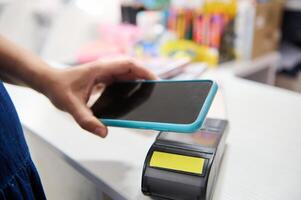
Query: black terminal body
{"x": 208, "y": 143}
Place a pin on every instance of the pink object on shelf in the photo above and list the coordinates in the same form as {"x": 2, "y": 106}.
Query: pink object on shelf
{"x": 123, "y": 34}
{"x": 114, "y": 40}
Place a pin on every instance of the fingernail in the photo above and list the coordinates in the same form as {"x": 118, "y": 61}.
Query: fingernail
{"x": 100, "y": 131}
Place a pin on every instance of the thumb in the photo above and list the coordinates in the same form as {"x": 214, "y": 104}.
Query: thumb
{"x": 85, "y": 118}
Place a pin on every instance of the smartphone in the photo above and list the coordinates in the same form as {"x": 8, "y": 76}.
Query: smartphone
{"x": 168, "y": 105}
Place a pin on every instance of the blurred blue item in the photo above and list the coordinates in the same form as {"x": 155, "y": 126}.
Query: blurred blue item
{"x": 148, "y": 48}
{"x": 156, "y": 4}
{"x": 152, "y": 47}
{"x": 165, "y": 14}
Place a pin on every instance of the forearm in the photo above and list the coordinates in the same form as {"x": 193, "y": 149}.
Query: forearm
{"x": 20, "y": 67}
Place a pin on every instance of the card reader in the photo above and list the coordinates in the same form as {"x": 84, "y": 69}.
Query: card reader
{"x": 185, "y": 166}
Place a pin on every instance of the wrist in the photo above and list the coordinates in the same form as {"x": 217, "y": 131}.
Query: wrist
{"x": 43, "y": 78}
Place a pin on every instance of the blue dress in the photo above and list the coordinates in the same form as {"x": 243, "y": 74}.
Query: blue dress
{"x": 19, "y": 178}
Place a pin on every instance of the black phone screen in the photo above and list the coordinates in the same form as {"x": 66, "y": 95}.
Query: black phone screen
{"x": 164, "y": 102}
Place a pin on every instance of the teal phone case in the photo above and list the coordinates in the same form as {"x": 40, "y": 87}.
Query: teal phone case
{"x": 183, "y": 128}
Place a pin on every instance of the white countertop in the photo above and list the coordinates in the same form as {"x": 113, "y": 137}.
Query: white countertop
{"x": 262, "y": 159}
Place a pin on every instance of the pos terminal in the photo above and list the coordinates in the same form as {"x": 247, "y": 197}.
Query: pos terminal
{"x": 185, "y": 166}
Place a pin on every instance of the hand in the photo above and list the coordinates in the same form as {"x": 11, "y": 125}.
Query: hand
{"x": 70, "y": 89}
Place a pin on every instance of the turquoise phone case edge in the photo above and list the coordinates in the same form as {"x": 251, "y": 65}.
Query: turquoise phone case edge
{"x": 183, "y": 128}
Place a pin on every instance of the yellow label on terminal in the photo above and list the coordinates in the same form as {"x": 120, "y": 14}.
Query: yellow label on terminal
{"x": 177, "y": 162}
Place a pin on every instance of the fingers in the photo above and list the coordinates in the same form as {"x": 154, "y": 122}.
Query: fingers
{"x": 85, "y": 118}
{"x": 102, "y": 72}
{"x": 123, "y": 69}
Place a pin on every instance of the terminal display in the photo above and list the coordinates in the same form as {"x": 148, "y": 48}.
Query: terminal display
{"x": 177, "y": 162}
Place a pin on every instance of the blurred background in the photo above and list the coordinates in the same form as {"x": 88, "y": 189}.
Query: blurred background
{"x": 260, "y": 40}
